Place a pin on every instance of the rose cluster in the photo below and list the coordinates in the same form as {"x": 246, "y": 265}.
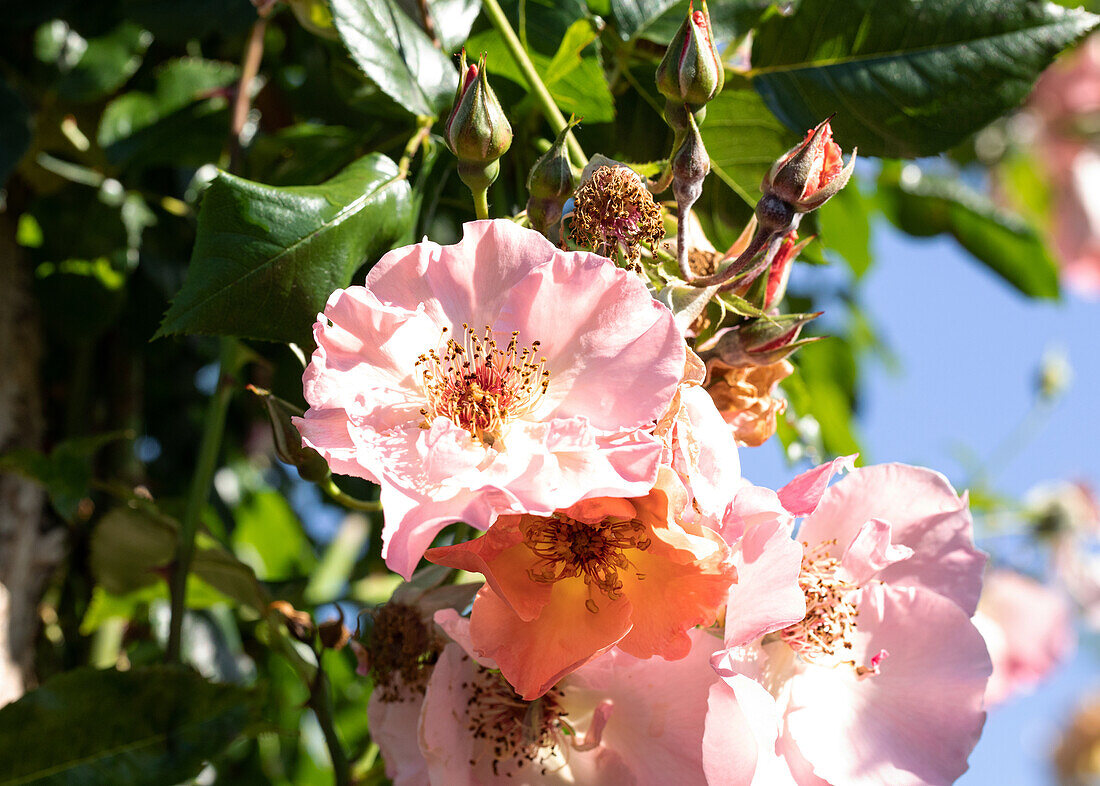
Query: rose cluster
{"x": 646, "y": 615}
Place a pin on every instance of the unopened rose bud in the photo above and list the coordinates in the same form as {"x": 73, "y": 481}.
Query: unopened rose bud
{"x": 550, "y": 183}
{"x": 761, "y": 342}
{"x": 691, "y": 72}
{"x": 477, "y": 131}
{"x": 288, "y": 441}
{"x": 809, "y": 174}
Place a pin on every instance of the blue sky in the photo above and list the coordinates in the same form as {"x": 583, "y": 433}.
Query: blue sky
{"x": 968, "y": 347}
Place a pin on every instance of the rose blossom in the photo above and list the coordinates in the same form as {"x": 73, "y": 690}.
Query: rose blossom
{"x": 1028, "y": 629}
{"x": 495, "y": 375}
{"x": 564, "y": 588}
{"x": 880, "y": 677}
{"x": 616, "y": 720}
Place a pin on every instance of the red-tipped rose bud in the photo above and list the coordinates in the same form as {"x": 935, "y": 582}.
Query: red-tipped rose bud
{"x": 760, "y": 342}
{"x": 810, "y": 172}
{"x": 550, "y": 183}
{"x": 478, "y": 133}
{"x": 691, "y": 72}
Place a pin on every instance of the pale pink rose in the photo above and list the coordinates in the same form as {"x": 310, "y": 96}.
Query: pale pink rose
{"x": 565, "y": 588}
{"x": 571, "y": 364}
{"x": 1028, "y": 630}
{"x": 616, "y": 720}
{"x": 879, "y": 674}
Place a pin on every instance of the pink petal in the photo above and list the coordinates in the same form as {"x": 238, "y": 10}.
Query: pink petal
{"x": 925, "y": 514}
{"x": 393, "y": 725}
{"x": 767, "y": 596}
{"x": 916, "y": 721}
{"x": 802, "y": 495}
{"x": 871, "y": 551}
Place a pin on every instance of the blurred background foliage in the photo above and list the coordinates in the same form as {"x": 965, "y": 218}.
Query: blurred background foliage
{"x": 161, "y": 190}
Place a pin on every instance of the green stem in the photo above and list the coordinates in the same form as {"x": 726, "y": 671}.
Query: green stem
{"x": 423, "y": 128}
{"x": 481, "y": 202}
{"x": 320, "y": 701}
{"x": 209, "y": 447}
{"x": 527, "y": 68}
{"x": 348, "y": 501}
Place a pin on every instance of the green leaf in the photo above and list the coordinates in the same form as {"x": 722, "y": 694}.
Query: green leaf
{"x": 128, "y": 548}
{"x": 15, "y": 130}
{"x": 182, "y": 122}
{"x": 269, "y": 538}
{"x": 105, "y": 606}
{"x": 658, "y": 20}
{"x": 132, "y": 546}
{"x": 924, "y": 205}
{"x": 743, "y": 139}
{"x": 824, "y": 386}
{"x": 846, "y": 228}
{"x": 108, "y": 62}
{"x": 266, "y": 259}
{"x": 66, "y": 472}
{"x": 396, "y": 54}
{"x": 153, "y": 725}
{"x": 453, "y": 19}
{"x": 574, "y": 78}
{"x": 907, "y": 77}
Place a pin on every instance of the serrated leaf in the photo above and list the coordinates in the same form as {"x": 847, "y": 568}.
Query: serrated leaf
{"x": 907, "y": 77}
{"x": 924, "y": 205}
{"x": 266, "y": 259}
{"x": 658, "y": 20}
{"x": 396, "y": 55}
{"x": 154, "y": 725}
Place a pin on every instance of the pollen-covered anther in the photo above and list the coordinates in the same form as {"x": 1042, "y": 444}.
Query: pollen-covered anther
{"x": 518, "y": 733}
{"x": 614, "y": 211}
{"x": 568, "y": 548}
{"x": 479, "y": 386}
{"x": 824, "y": 635}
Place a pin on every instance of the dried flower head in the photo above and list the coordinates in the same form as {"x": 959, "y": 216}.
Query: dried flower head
{"x": 745, "y": 395}
{"x": 400, "y": 650}
{"x": 613, "y": 210}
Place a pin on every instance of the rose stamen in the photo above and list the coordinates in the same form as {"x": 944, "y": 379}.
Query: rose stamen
{"x": 479, "y": 386}
{"x": 824, "y": 635}
{"x": 568, "y": 548}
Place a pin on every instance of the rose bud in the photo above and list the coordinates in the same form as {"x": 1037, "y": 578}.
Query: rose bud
{"x": 691, "y": 72}
{"x": 810, "y": 173}
{"x": 288, "y": 442}
{"x": 477, "y": 131}
{"x": 550, "y": 183}
{"x": 760, "y": 342}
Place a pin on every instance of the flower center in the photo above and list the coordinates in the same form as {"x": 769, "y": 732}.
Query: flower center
{"x": 614, "y": 211}
{"x": 479, "y": 386}
{"x": 401, "y": 645}
{"x": 824, "y": 635}
{"x": 568, "y": 548}
{"x": 519, "y": 733}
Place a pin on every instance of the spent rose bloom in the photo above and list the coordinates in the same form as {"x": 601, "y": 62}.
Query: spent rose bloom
{"x": 616, "y": 720}
{"x": 1028, "y": 629}
{"x": 495, "y": 375}
{"x": 564, "y": 588}
{"x": 881, "y": 676}
{"x": 747, "y": 397}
